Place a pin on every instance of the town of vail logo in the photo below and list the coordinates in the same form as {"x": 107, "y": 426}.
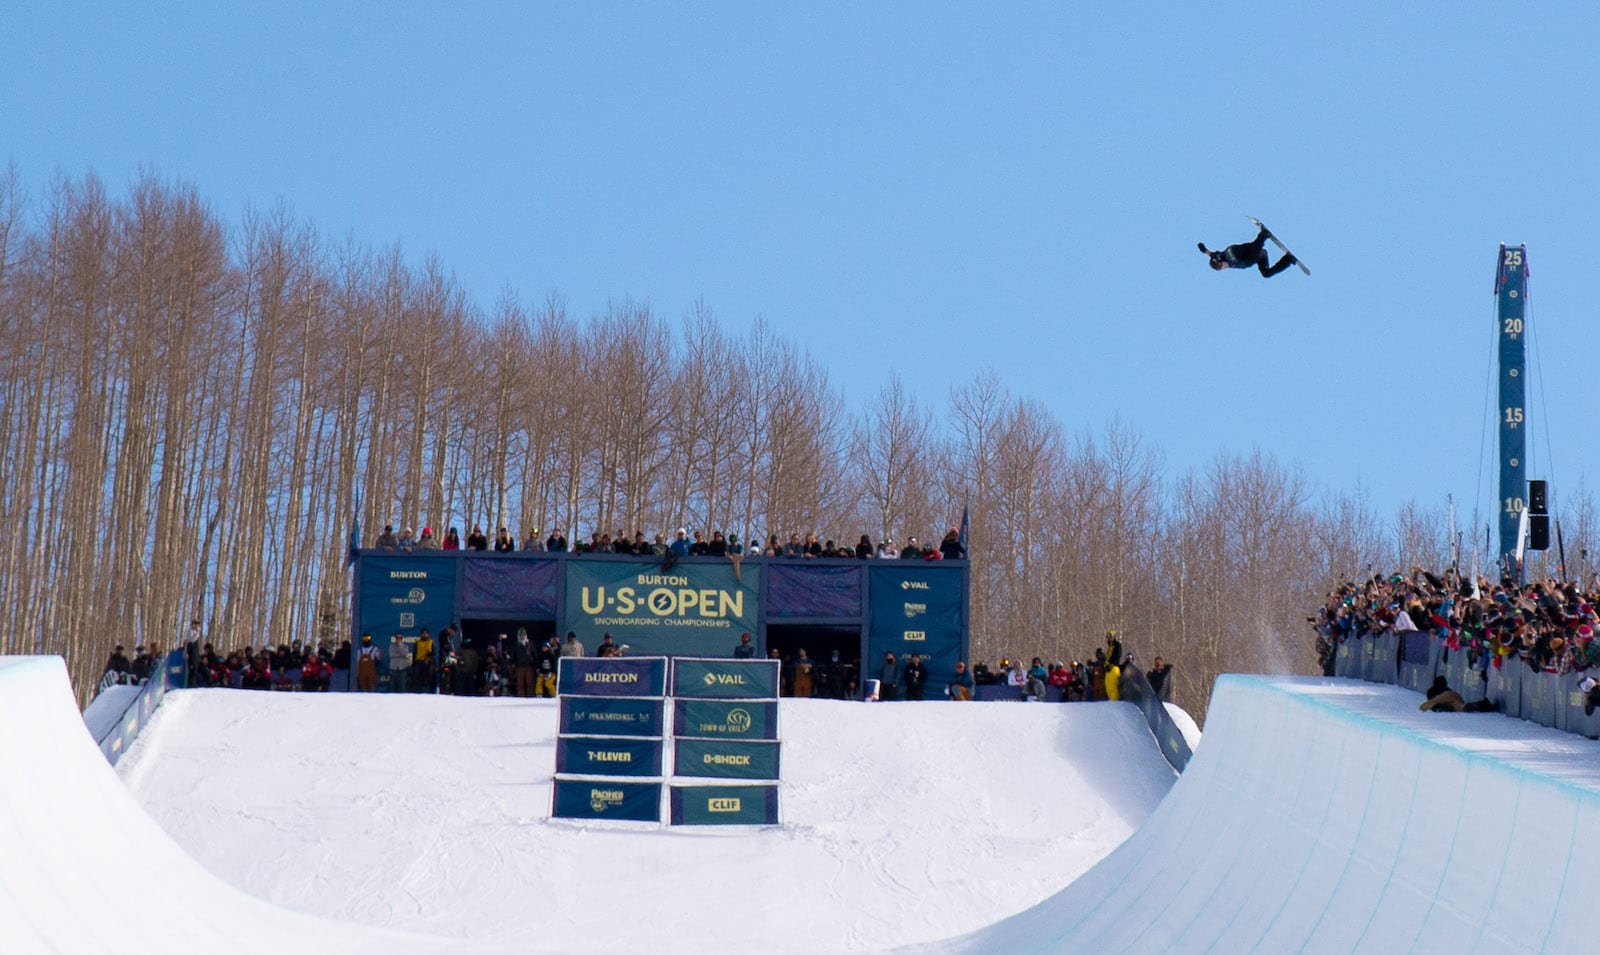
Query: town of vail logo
{"x": 739, "y": 721}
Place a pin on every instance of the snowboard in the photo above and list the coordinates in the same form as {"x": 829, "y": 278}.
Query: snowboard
{"x": 1280, "y": 245}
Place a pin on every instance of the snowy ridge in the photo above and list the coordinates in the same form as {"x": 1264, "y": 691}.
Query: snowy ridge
{"x": 1328, "y": 815}
{"x": 84, "y": 869}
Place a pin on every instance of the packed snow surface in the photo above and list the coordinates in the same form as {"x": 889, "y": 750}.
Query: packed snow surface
{"x": 902, "y": 822}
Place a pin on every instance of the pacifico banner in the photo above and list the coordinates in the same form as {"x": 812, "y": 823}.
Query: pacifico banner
{"x": 726, "y": 759}
{"x": 608, "y": 756}
{"x": 611, "y": 716}
{"x": 724, "y": 805}
{"x": 724, "y": 679}
{"x": 723, "y": 719}
{"x": 693, "y": 608}
{"x": 613, "y": 676}
{"x": 607, "y": 799}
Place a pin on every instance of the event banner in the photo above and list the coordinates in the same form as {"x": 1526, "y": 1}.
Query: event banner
{"x": 404, "y": 593}
{"x": 608, "y": 756}
{"x": 726, "y": 758}
{"x": 805, "y": 588}
{"x": 722, "y": 719}
{"x": 608, "y": 799}
{"x": 917, "y": 607}
{"x": 612, "y": 716}
{"x": 724, "y": 679}
{"x": 612, "y": 676}
{"x": 724, "y": 805}
{"x": 692, "y": 608}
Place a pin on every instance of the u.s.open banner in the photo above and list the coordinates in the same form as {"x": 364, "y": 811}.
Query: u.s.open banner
{"x": 612, "y": 676}
{"x": 606, "y": 799}
{"x": 612, "y": 716}
{"x": 724, "y": 679}
{"x": 692, "y": 608}
{"x": 724, "y": 805}
{"x": 726, "y": 758}
{"x": 608, "y": 755}
{"x": 725, "y": 719}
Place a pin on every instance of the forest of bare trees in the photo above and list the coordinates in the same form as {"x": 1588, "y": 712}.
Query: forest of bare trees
{"x": 193, "y": 412}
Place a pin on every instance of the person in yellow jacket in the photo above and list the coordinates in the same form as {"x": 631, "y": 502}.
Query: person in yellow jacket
{"x": 422, "y": 664}
{"x": 1113, "y": 681}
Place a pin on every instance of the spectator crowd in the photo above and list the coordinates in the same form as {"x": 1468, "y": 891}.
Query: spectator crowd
{"x": 684, "y": 543}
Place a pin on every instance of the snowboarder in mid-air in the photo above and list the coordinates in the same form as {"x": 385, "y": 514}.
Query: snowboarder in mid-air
{"x": 1247, "y": 254}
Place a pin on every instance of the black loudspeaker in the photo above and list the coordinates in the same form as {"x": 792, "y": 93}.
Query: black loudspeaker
{"x": 1537, "y": 498}
{"x": 1538, "y": 532}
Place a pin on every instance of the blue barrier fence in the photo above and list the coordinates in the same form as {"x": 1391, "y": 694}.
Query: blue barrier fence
{"x": 1414, "y": 659}
{"x": 124, "y": 728}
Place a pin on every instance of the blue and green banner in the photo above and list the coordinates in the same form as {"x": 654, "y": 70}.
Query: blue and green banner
{"x": 613, "y": 676}
{"x": 725, "y": 679}
{"x": 726, "y": 758}
{"x": 612, "y": 716}
{"x": 724, "y": 805}
{"x": 606, "y": 799}
{"x": 608, "y": 756}
{"x": 692, "y": 608}
{"x": 403, "y": 593}
{"x": 723, "y": 719}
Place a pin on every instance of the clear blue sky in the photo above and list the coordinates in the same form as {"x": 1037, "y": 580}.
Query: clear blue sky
{"x": 931, "y": 188}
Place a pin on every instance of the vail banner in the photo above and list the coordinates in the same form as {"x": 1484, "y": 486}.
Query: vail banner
{"x": 406, "y": 592}
{"x": 726, "y": 759}
{"x": 520, "y": 586}
{"x": 612, "y": 676}
{"x": 724, "y": 805}
{"x": 590, "y": 799}
{"x": 611, "y": 716}
{"x": 693, "y": 608}
{"x": 725, "y": 679}
{"x": 608, "y": 756}
{"x": 917, "y": 607}
{"x": 720, "y": 719}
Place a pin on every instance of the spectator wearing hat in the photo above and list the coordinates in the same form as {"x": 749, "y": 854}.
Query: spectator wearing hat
{"x": 407, "y": 541}
{"x": 119, "y": 664}
{"x": 680, "y": 543}
{"x": 889, "y": 678}
{"x": 387, "y": 540}
{"x": 745, "y": 650}
{"x": 556, "y": 543}
{"x": 915, "y": 677}
{"x": 961, "y": 685}
{"x": 399, "y": 662}
{"x": 503, "y": 542}
{"x": 718, "y": 547}
{"x": 912, "y": 550}
{"x": 452, "y": 539}
{"x": 367, "y": 665}
{"x": 427, "y": 541}
{"x": 864, "y": 547}
{"x": 144, "y": 664}
{"x": 1158, "y": 676}
{"x": 421, "y": 679}
{"x": 886, "y": 550}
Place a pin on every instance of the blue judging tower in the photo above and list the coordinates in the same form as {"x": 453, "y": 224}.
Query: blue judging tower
{"x": 1511, "y": 291}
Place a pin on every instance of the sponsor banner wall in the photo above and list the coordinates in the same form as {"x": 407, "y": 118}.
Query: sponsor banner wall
{"x": 606, "y": 799}
{"x": 725, "y": 719}
{"x": 807, "y": 589}
{"x": 519, "y": 586}
{"x": 608, "y": 755}
{"x": 404, "y": 593}
{"x": 612, "y": 716}
{"x": 725, "y": 679}
{"x": 693, "y": 608}
{"x": 724, "y": 805}
{"x": 917, "y": 607}
{"x": 726, "y": 758}
{"x": 613, "y": 676}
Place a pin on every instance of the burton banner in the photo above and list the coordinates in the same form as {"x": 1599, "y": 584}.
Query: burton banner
{"x": 724, "y": 805}
{"x": 612, "y": 676}
{"x": 611, "y": 716}
{"x": 693, "y": 609}
{"x": 918, "y": 609}
{"x": 724, "y": 719}
{"x": 608, "y": 756}
{"x": 591, "y": 799}
{"x": 404, "y": 593}
{"x": 726, "y": 759}
{"x": 724, "y": 679}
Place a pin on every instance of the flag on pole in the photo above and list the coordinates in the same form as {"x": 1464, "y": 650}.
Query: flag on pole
{"x": 355, "y": 534}
{"x": 966, "y": 524}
